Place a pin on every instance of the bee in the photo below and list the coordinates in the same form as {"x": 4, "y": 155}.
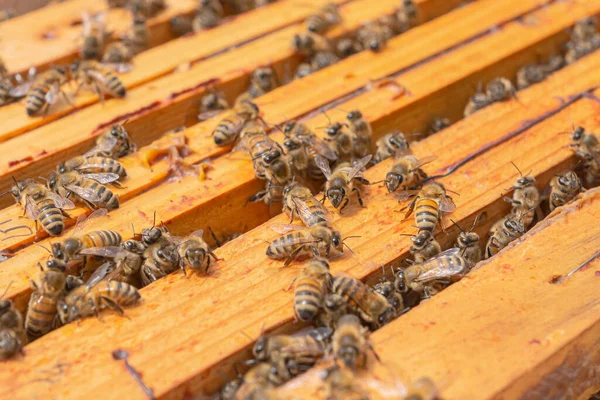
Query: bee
{"x": 500, "y": 89}
{"x": 298, "y": 201}
{"x": 478, "y": 101}
{"x": 585, "y": 29}
{"x": 181, "y": 25}
{"x": 554, "y": 63}
{"x": 114, "y": 143}
{"x": 92, "y": 165}
{"x": 468, "y": 243}
{"x": 429, "y": 204}
{"x": 448, "y": 266}
{"x": 213, "y": 101}
{"x": 327, "y": 17}
{"x": 389, "y": 145}
{"x": 304, "y": 69}
{"x": 341, "y": 140}
{"x": 41, "y": 311}
{"x": 194, "y": 252}
{"x": 526, "y": 196}
{"x": 240, "y": 6}
{"x": 438, "y": 124}
{"x": 88, "y": 188}
{"x": 503, "y": 232}
{"x": 234, "y": 121}
{"x": 93, "y": 36}
{"x": 346, "y": 47}
{"x": 375, "y": 34}
{"x": 340, "y": 182}
{"x": 160, "y": 259}
{"x": 317, "y": 240}
{"x": 334, "y": 306}
{"x": 262, "y": 81}
{"x": 292, "y": 354}
{"x": 208, "y": 15}
{"x": 273, "y": 194}
{"x": 118, "y": 56}
{"x": 95, "y": 295}
{"x": 563, "y": 189}
{"x": 102, "y": 80}
{"x": 302, "y": 146}
{"x": 263, "y": 150}
{"x": 586, "y": 145}
{"x": 126, "y": 261}
{"x": 424, "y": 246}
{"x": 12, "y": 331}
{"x": 259, "y": 382}
{"x": 149, "y": 8}
{"x": 42, "y": 205}
{"x": 350, "y": 344}
{"x": 323, "y": 59}
{"x": 578, "y": 49}
{"x": 44, "y": 90}
{"x": 530, "y": 75}
{"x": 405, "y": 172}
{"x": 387, "y": 289}
{"x": 309, "y": 43}
{"x": 362, "y": 131}
{"x": 341, "y": 383}
{"x": 138, "y": 36}
{"x": 311, "y": 288}
{"x": 407, "y": 15}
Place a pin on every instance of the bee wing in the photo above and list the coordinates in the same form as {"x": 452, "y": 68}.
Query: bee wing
{"x": 52, "y": 94}
{"x": 447, "y": 205}
{"x": 84, "y": 193}
{"x": 305, "y": 212}
{"x": 20, "y": 90}
{"x": 404, "y": 195}
{"x": 121, "y": 68}
{"x": 443, "y": 269}
{"x": 103, "y": 177}
{"x": 30, "y": 208}
{"x": 323, "y": 149}
{"x": 208, "y": 114}
{"x": 61, "y": 202}
{"x": 107, "y": 251}
{"x": 323, "y": 165}
{"x": 286, "y": 228}
{"x": 401, "y": 152}
{"x": 358, "y": 166}
{"x": 104, "y": 146}
{"x": 199, "y": 233}
{"x": 99, "y": 274}
{"x": 424, "y": 161}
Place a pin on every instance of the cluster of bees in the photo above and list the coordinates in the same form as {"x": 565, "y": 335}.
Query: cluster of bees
{"x": 321, "y": 52}
{"x": 585, "y": 39}
{"x": 210, "y": 13}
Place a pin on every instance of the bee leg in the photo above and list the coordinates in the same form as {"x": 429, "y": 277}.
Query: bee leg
{"x": 286, "y": 289}
{"x": 360, "y": 200}
{"x": 113, "y": 305}
{"x": 374, "y": 352}
{"x": 88, "y": 203}
{"x": 346, "y": 201}
{"x": 99, "y": 93}
{"x": 67, "y": 98}
{"x": 213, "y": 255}
{"x": 293, "y": 256}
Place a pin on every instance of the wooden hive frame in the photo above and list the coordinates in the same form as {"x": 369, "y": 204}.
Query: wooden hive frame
{"x": 188, "y": 331}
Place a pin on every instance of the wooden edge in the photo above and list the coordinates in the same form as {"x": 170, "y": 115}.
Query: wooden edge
{"x": 178, "y": 53}
{"x": 34, "y": 153}
{"x": 426, "y": 94}
{"x": 247, "y": 279}
{"x": 53, "y": 31}
{"x": 532, "y": 344}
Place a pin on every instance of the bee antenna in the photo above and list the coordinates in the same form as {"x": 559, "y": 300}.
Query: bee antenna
{"x": 43, "y": 247}
{"x": 458, "y": 226}
{"x": 262, "y": 329}
{"x": 406, "y": 234}
{"x": 14, "y": 180}
{"x": 248, "y": 336}
{"x": 515, "y": 165}
{"x": 572, "y": 123}
{"x": 475, "y": 222}
{"x": 351, "y": 251}
{"x": 453, "y": 192}
{"x": 326, "y": 116}
{"x": 154, "y": 222}
{"x": 6, "y": 290}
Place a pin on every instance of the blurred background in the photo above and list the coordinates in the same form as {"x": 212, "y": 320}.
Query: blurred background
{"x": 22, "y": 6}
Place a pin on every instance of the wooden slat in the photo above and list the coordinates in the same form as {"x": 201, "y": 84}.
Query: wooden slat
{"x": 246, "y": 279}
{"x": 49, "y": 35}
{"x": 162, "y": 60}
{"x": 158, "y": 107}
{"x": 532, "y": 339}
{"x": 427, "y": 94}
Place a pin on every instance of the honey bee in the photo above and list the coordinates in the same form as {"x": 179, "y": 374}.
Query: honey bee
{"x": 41, "y": 312}
{"x": 88, "y": 188}
{"x": 304, "y": 69}
{"x": 334, "y": 306}
{"x": 563, "y": 189}
{"x": 361, "y": 128}
{"x": 407, "y": 15}
{"x": 346, "y": 47}
{"x": 298, "y": 201}
{"x": 211, "y": 102}
{"x": 323, "y": 59}
{"x": 194, "y": 252}
{"x": 478, "y": 101}
{"x": 12, "y": 331}
{"x": 526, "y": 196}
{"x": 448, "y": 266}
{"x": 118, "y": 56}
{"x": 263, "y": 150}
{"x": 389, "y": 145}
{"x": 149, "y": 8}
{"x": 93, "y": 74}
{"x": 311, "y": 287}
{"x": 503, "y": 232}
{"x": 262, "y": 81}
{"x": 292, "y": 354}
{"x": 309, "y": 43}
{"x": 340, "y": 182}
{"x": 181, "y": 25}
{"x": 92, "y": 165}
{"x": 406, "y": 172}
{"x": 586, "y": 145}
{"x": 341, "y": 383}
{"x": 372, "y": 307}
{"x": 208, "y": 15}
{"x": 93, "y": 36}
{"x": 138, "y": 36}
{"x": 375, "y": 34}
{"x": 259, "y": 382}
{"x": 126, "y": 262}
{"x": 350, "y": 344}
{"x": 160, "y": 259}
{"x": 530, "y": 75}
{"x": 387, "y": 289}
{"x": 578, "y": 49}
{"x": 500, "y": 89}
{"x": 438, "y": 124}
{"x": 554, "y": 63}
{"x": 234, "y": 121}
{"x": 585, "y": 29}
{"x": 424, "y": 246}
{"x": 317, "y": 240}
{"x": 95, "y": 295}
{"x": 302, "y": 146}
{"x": 44, "y": 90}
{"x": 341, "y": 140}
{"x": 42, "y": 205}
{"x": 429, "y": 204}
{"x": 327, "y": 17}
{"x": 114, "y": 143}
{"x": 468, "y": 243}
{"x": 273, "y": 194}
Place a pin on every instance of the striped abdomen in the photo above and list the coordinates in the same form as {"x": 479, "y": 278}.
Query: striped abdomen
{"x": 317, "y": 23}
{"x": 103, "y": 164}
{"x": 284, "y": 246}
{"x": 107, "y": 198}
{"x": 308, "y": 296}
{"x": 314, "y": 172}
{"x": 228, "y": 130}
{"x": 102, "y": 238}
{"x": 92, "y": 47}
{"x": 120, "y": 292}
{"x": 36, "y": 98}
{"x": 114, "y": 84}
{"x": 352, "y": 290}
{"x": 426, "y": 214}
{"x": 40, "y": 315}
{"x": 318, "y": 213}
{"x": 50, "y": 217}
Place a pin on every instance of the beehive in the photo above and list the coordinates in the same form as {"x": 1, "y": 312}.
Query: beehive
{"x": 504, "y": 331}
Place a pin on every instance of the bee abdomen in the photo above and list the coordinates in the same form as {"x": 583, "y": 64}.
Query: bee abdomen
{"x": 50, "y": 217}
{"x": 103, "y": 238}
{"x": 426, "y": 214}
{"x": 115, "y": 85}
{"x": 107, "y": 197}
{"x": 40, "y": 316}
{"x": 36, "y": 98}
{"x": 122, "y": 293}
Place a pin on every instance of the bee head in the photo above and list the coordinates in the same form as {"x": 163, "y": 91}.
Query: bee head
{"x": 421, "y": 238}
{"x": 386, "y": 289}
{"x": 5, "y": 305}
{"x": 66, "y": 313}
{"x": 291, "y": 144}
{"x": 400, "y": 282}
{"x": 62, "y": 168}
{"x": 270, "y": 156}
{"x": 336, "y": 195}
{"x": 196, "y": 256}
{"x": 333, "y": 129}
{"x": 393, "y": 181}
{"x": 57, "y": 251}
{"x": 337, "y": 242}
{"x": 289, "y": 127}
{"x": 577, "y": 134}
{"x": 374, "y": 45}
{"x": 397, "y": 140}
{"x": 466, "y": 239}
{"x": 56, "y": 264}
{"x": 151, "y": 235}
{"x": 354, "y": 115}
{"x": 514, "y": 226}
{"x": 260, "y": 349}
{"x": 524, "y": 182}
